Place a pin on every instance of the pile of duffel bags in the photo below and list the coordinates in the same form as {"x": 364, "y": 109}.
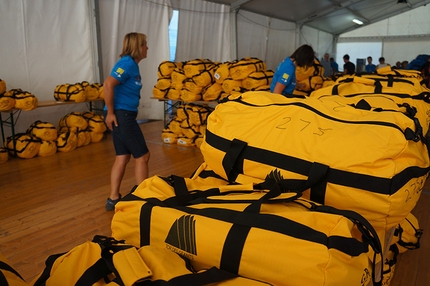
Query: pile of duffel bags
{"x": 297, "y": 191}
{"x": 75, "y": 129}
{"x": 188, "y": 126}
{"x": 292, "y": 191}
{"x": 79, "y": 92}
{"x": 205, "y": 80}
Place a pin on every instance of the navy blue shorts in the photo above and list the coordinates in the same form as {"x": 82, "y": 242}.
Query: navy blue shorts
{"x": 127, "y": 136}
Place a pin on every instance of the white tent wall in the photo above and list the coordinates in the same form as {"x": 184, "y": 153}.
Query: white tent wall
{"x": 203, "y": 31}
{"x": 252, "y": 35}
{"x": 281, "y": 42}
{"x": 320, "y": 41}
{"x": 119, "y": 17}
{"x": 268, "y": 39}
{"x": 45, "y": 43}
{"x": 397, "y": 38}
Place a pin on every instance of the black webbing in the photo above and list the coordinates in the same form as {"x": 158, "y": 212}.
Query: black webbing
{"x": 7, "y": 267}
{"x": 94, "y": 273}
{"x": 3, "y": 280}
{"x": 231, "y": 163}
{"x": 379, "y": 185}
{"x": 317, "y": 182}
{"x": 41, "y": 281}
{"x": 145, "y": 224}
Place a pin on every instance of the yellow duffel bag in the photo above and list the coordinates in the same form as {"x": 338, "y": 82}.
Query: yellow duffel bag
{"x": 73, "y": 119}
{"x": 246, "y": 66}
{"x": 165, "y": 69}
{"x": 399, "y": 90}
{"x": 212, "y": 92}
{"x": 160, "y": 93}
{"x": 83, "y": 136}
{"x": 173, "y": 94}
{"x": 371, "y": 161}
{"x": 198, "y": 114}
{"x": 96, "y": 137}
{"x": 96, "y": 122}
{"x": 175, "y": 125}
{"x": 7, "y": 101}
{"x": 66, "y": 141}
{"x": 92, "y": 91}
{"x": 303, "y": 73}
{"x": 205, "y": 77}
{"x": 47, "y": 148}
{"x": 26, "y": 146}
{"x": 43, "y": 130}
{"x": 229, "y": 84}
{"x": 263, "y": 235}
{"x": 24, "y": 100}
{"x": 190, "y": 96}
{"x": 178, "y": 76}
{"x": 167, "y": 136}
{"x": 190, "y": 131}
{"x": 69, "y": 92}
{"x": 106, "y": 261}
{"x": 257, "y": 79}
{"x": 185, "y": 141}
{"x": 222, "y": 72}
{"x": 163, "y": 84}
{"x": 196, "y": 66}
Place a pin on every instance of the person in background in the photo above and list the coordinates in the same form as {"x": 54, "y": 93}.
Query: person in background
{"x": 325, "y": 62}
{"x": 348, "y": 67}
{"x": 398, "y": 65}
{"x": 122, "y": 95}
{"x": 370, "y": 67}
{"x": 284, "y": 79}
{"x": 381, "y": 63}
{"x": 405, "y": 65}
{"x": 334, "y": 66}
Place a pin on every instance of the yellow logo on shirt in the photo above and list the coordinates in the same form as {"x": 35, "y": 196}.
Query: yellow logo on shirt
{"x": 285, "y": 76}
{"x": 120, "y": 71}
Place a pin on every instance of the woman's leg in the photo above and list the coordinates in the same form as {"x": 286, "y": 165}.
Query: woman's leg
{"x": 117, "y": 173}
{"x": 141, "y": 169}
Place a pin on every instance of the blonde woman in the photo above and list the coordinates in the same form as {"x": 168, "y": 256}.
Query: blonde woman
{"x": 121, "y": 95}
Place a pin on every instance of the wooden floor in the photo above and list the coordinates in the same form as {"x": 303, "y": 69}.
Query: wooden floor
{"x": 48, "y": 205}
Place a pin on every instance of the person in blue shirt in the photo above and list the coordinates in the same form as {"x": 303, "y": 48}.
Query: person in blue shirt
{"x": 122, "y": 95}
{"x": 370, "y": 67}
{"x": 284, "y": 79}
{"x": 334, "y": 66}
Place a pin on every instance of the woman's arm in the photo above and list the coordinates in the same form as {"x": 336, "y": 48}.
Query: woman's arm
{"x": 108, "y": 93}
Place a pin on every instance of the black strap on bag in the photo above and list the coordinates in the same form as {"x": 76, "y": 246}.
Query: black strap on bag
{"x": 41, "y": 281}
{"x": 370, "y": 183}
{"x": 409, "y": 245}
{"x": 369, "y": 234}
{"x": 7, "y": 267}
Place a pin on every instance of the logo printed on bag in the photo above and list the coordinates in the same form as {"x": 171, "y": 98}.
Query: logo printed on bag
{"x": 182, "y": 237}
{"x": 366, "y": 276}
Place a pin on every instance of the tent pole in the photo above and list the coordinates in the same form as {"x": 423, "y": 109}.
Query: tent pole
{"x": 233, "y": 33}
{"x": 96, "y": 40}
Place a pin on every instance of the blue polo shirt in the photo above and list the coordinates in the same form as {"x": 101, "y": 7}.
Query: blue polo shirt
{"x": 286, "y": 74}
{"x": 127, "y": 93}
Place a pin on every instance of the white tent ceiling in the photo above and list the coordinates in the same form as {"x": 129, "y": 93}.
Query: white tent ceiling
{"x": 332, "y": 16}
